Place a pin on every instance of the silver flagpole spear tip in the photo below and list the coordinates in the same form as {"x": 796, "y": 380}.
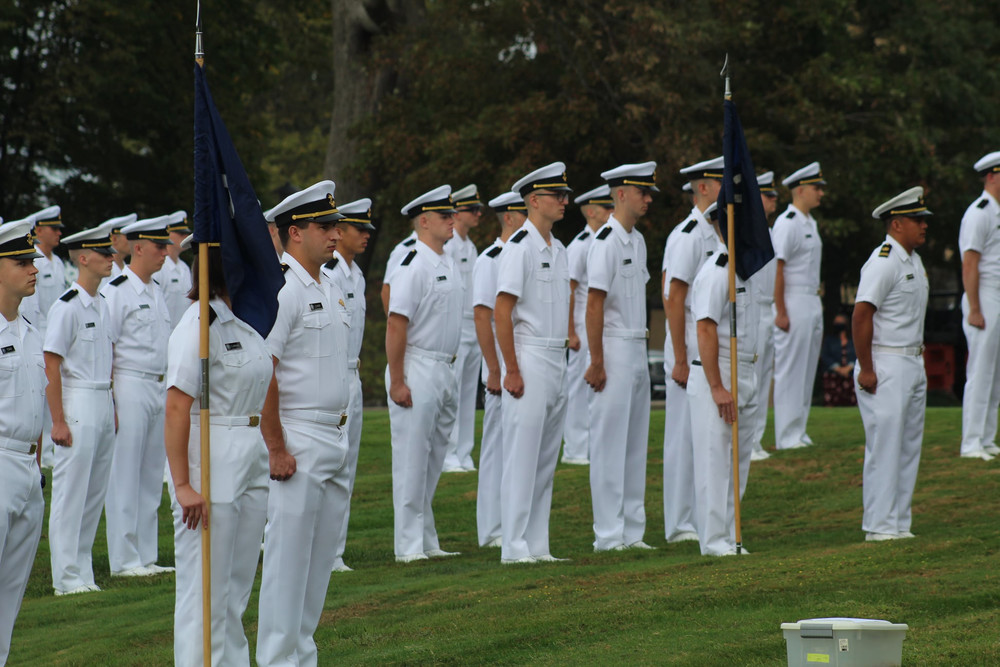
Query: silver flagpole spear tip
{"x": 199, "y": 52}
{"x": 725, "y": 74}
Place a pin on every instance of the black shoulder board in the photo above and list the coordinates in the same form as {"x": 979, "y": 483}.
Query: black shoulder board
{"x": 284, "y": 267}
{"x": 790, "y": 214}
{"x": 409, "y": 258}
{"x": 689, "y": 227}
{"x": 119, "y": 280}
{"x": 156, "y": 281}
{"x": 409, "y": 242}
{"x": 722, "y": 260}
{"x": 332, "y": 264}
{"x": 68, "y": 296}
{"x": 211, "y": 315}
{"x": 582, "y": 236}
{"x": 603, "y": 234}
{"x": 885, "y": 250}
{"x": 493, "y": 252}
{"x": 517, "y": 238}
{"x": 983, "y": 203}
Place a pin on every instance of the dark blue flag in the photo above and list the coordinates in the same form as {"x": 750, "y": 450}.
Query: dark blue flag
{"x": 226, "y": 211}
{"x": 739, "y": 187}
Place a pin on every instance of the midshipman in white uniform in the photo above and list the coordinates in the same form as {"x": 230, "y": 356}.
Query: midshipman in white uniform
{"x": 175, "y": 276}
{"x": 888, "y": 332}
{"x": 763, "y": 289}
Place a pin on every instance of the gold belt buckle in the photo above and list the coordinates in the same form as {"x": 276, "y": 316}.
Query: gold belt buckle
{"x": 34, "y": 448}
{"x": 565, "y": 343}
{"x": 453, "y": 358}
{"x": 254, "y": 420}
{"x": 343, "y": 419}
{"x": 159, "y": 378}
{"x": 754, "y": 358}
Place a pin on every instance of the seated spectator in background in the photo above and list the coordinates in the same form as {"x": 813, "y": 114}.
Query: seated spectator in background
{"x": 837, "y": 362}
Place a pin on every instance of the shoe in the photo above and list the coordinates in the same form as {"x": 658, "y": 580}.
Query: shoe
{"x": 576, "y": 462}
{"x": 441, "y": 553}
{"x": 991, "y": 449}
{"x": 981, "y": 454}
{"x": 134, "y": 572}
{"x": 517, "y": 561}
{"x": 905, "y": 535}
{"x": 759, "y": 455}
{"x": 159, "y": 569}
{"x": 469, "y": 466}
{"x": 93, "y": 588}
{"x": 640, "y": 545}
{"x": 74, "y": 591}
{"x": 409, "y": 558}
{"x": 453, "y": 469}
{"x": 495, "y": 543}
{"x": 338, "y": 566}
{"x": 743, "y": 552}
{"x": 799, "y": 445}
{"x": 549, "y": 558}
{"x": 806, "y": 439}
{"x": 880, "y": 537}
{"x": 686, "y": 536}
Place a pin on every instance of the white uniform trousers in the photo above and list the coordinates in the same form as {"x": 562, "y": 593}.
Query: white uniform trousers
{"x": 576, "y": 432}
{"x": 678, "y": 452}
{"x": 462, "y": 438}
{"x": 355, "y": 420}
{"x": 796, "y": 357}
{"x": 79, "y": 484}
{"x": 136, "y": 485}
{"x": 894, "y": 430}
{"x": 713, "y": 456}
{"x": 237, "y": 515}
{"x": 619, "y": 422}
{"x": 419, "y": 441}
{"x": 21, "y": 511}
{"x": 982, "y": 371}
{"x": 304, "y": 517}
{"x": 532, "y": 432}
{"x": 764, "y": 370}
{"x": 490, "y": 468}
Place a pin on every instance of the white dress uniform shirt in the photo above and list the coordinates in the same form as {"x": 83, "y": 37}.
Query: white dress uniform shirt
{"x": 713, "y": 468}
{"x": 484, "y": 293}
{"x": 537, "y": 273}
{"x": 22, "y": 387}
{"x": 689, "y": 245}
{"x": 175, "y": 281}
{"x": 396, "y": 255}
{"x": 796, "y": 241}
{"x": 351, "y": 282}
{"x": 619, "y": 415}
{"x": 576, "y": 435}
{"x": 305, "y": 513}
{"x": 430, "y": 295}
{"x": 467, "y": 365}
{"x": 980, "y": 232}
{"x": 139, "y": 323}
{"x": 78, "y": 331}
{"x": 895, "y": 282}
{"x": 240, "y": 370}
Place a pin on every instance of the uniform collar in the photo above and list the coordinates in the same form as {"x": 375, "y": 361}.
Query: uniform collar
{"x": 347, "y": 269}
{"x": 993, "y": 202}
{"x": 296, "y": 269}
{"x": 135, "y": 281}
{"x": 619, "y": 230}
{"x": 900, "y": 251}
{"x": 536, "y": 236}
{"x": 222, "y": 312}
{"x": 704, "y": 225}
{"x": 431, "y": 256}
{"x": 82, "y": 294}
{"x": 798, "y": 213}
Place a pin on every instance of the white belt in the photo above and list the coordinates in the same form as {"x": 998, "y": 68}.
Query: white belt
{"x": 155, "y": 377}
{"x": 86, "y": 384}
{"x": 911, "y": 351}
{"x": 742, "y": 358}
{"x": 628, "y": 334}
{"x": 431, "y": 354}
{"x": 251, "y": 421}
{"x": 317, "y": 416}
{"x": 535, "y": 341}
{"x": 766, "y": 301}
{"x": 18, "y": 445}
{"x": 801, "y": 289}
{"x": 353, "y": 364}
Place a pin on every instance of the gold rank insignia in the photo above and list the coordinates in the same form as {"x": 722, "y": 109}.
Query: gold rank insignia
{"x": 341, "y": 302}
{"x": 886, "y": 249}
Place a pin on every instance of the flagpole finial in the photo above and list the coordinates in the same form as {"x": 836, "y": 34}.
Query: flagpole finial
{"x": 725, "y": 74}
{"x": 199, "y": 52}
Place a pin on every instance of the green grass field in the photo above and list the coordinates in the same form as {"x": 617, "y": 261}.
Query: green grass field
{"x": 802, "y": 518}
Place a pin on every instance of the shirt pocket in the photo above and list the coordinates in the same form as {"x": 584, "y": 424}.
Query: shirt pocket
{"x": 628, "y": 274}
{"x": 546, "y": 283}
{"x": 315, "y": 331}
{"x": 11, "y": 384}
{"x": 86, "y": 344}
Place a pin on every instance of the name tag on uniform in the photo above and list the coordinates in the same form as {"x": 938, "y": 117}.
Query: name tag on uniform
{"x": 174, "y": 280}
{"x": 46, "y": 275}
{"x": 143, "y": 306}
{"x": 7, "y": 349}
{"x": 741, "y": 290}
{"x": 627, "y": 261}
{"x": 710, "y": 253}
{"x": 440, "y": 278}
{"x": 350, "y": 295}
{"x": 315, "y": 306}
{"x": 545, "y": 265}
{"x": 465, "y": 259}
{"x": 233, "y": 346}
{"x": 809, "y": 236}
{"x": 89, "y": 325}
{"x": 909, "y": 276}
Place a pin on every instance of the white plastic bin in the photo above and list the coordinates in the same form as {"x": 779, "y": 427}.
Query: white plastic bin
{"x": 844, "y": 642}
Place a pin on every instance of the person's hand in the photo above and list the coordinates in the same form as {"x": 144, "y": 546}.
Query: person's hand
{"x": 282, "y": 464}
{"x": 724, "y": 402}
{"x": 867, "y": 381}
{"x": 977, "y": 320}
{"x": 574, "y": 342}
{"x": 781, "y": 321}
{"x": 514, "y": 384}
{"x": 493, "y": 382}
{"x": 680, "y": 374}
{"x": 400, "y": 395}
{"x": 193, "y": 506}
{"x": 61, "y": 434}
{"x": 596, "y": 377}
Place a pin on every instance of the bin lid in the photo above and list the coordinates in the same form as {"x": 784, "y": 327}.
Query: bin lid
{"x": 843, "y": 623}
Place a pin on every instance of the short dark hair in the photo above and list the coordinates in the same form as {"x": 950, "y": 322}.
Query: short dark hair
{"x": 283, "y": 231}
{"x": 216, "y": 276}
